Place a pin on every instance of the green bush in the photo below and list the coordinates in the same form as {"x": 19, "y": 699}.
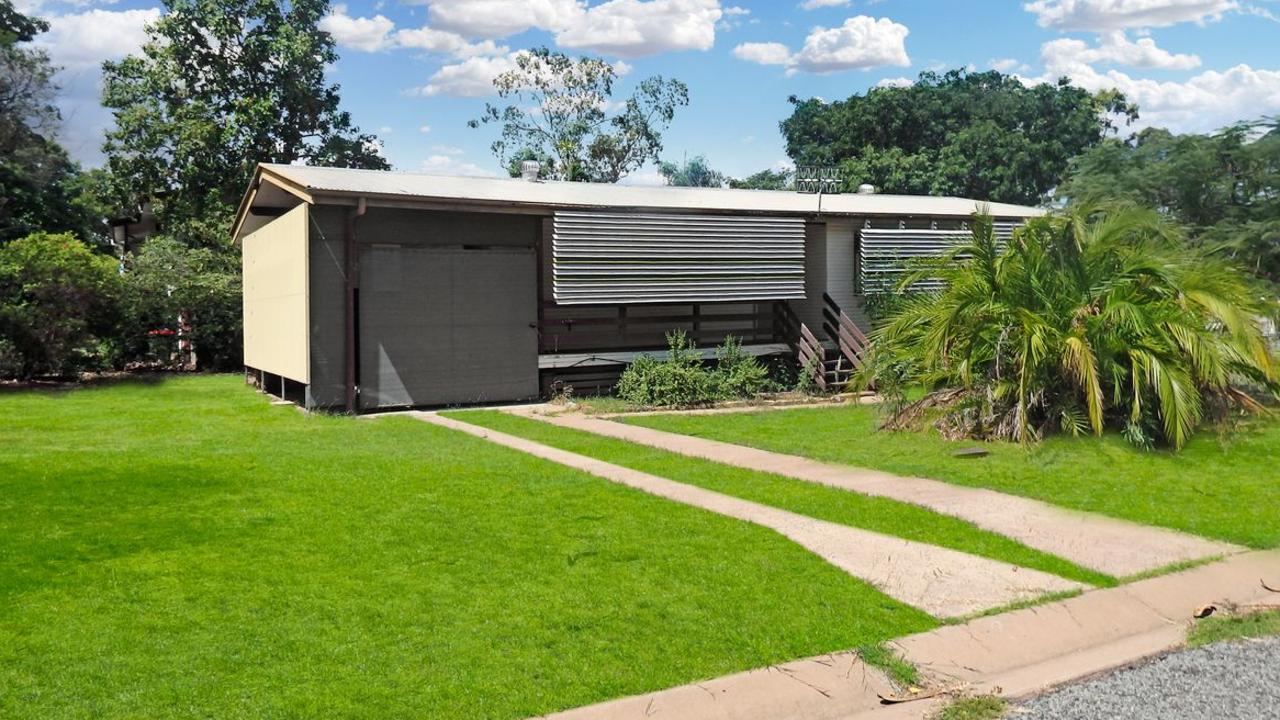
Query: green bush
{"x": 1087, "y": 320}
{"x": 58, "y": 306}
{"x": 166, "y": 279}
{"x": 682, "y": 379}
{"x": 737, "y": 374}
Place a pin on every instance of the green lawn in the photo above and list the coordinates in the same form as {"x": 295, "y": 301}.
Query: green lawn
{"x": 1226, "y": 488}
{"x": 819, "y": 501}
{"x": 183, "y": 549}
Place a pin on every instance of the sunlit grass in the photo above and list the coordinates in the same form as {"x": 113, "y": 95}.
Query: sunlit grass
{"x": 184, "y": 549}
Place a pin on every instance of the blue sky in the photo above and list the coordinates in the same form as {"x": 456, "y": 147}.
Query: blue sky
{"x": 414, "y": 73}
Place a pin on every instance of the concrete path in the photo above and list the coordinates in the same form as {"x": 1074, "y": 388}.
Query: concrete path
{"x": 1116, "y": 547}
{"x": 942, "y": 582}
{"x": 1014, "y": 654}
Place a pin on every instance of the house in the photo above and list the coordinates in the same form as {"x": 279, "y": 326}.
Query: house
{"x": 367, "y": 289}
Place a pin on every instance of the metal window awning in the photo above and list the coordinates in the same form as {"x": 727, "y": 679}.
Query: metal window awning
{"x": 621, "y": 258}
{"x": 885, "y": 255}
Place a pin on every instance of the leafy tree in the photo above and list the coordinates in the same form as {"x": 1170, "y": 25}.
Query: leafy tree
{"x": 39, "y": 184}
{"x": 692, "y": 172}
{"x": 57, "y": 305}
{"x": 764, "y": 180}
{"x": 165, "y": 281}
{"x": 558, "y": 113}
{"x": 1087, "y": 320}
{"x": 1225, "y": 187}
{"x": 219, "y": 86}
{"x": 983, "y": 135}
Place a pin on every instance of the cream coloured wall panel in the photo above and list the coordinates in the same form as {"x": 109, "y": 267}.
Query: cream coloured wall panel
{"x": 275, "y": 262}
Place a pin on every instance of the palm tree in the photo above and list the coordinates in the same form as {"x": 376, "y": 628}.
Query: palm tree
{"x": 1087, "y": 319}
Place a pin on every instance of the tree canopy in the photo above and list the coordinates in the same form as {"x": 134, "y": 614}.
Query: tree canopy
{"x": 764, "y": 180}
{"x": 691, "y": 172}
{"x": 38, "y": 182}
{"x": 1224, "y": 187}
{"x": 558, "y": 112}
{"x": 219, "y": 86}
{"x": 982, "y": 135}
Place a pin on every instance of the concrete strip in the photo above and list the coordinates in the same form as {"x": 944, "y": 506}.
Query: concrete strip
{"x": 821, "y": 688}
{"x": 1015, "y": 654}
{"x": 1108, "y": 545}
{"x": 940, "y": 581}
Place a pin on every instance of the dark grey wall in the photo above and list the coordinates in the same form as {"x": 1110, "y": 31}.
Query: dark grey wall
{"x": 385, "y": 226}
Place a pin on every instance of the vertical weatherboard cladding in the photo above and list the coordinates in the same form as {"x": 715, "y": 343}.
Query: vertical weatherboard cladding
{"x": 326, "y": 300}
{"x": 443, "y": 300}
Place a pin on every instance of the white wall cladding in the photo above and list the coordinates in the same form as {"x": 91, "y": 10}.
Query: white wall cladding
{"x": 885, "y": 255}
{"x": 611, "y": 257}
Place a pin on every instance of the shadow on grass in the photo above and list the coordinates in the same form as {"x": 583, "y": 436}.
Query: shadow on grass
{"x": 57, "y": 384}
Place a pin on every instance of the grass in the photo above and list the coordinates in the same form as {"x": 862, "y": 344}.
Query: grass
{"x": 818, "y": 501}
{"x": 898, "y": 668}
{"x": 1220, "y": 487}
{"x": 181, "y": 548}
{"x": 980, "y": 707}
{"x": 1217, "y": 628}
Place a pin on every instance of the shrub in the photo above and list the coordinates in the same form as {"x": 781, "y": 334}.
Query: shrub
{"x": 1088, "y": 319}
{"x": 679, "y": 380}
{"x": 682, "y": 379}
{"x": 57, "y": 306}
{"x": 737, "y": 374}
{"x": 166, "y": 279}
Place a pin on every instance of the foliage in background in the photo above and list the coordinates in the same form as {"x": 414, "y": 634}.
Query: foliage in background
{"x": 58, "y": 306}
{"x": 557, "y": 114}
{"x": 691, "y": 172}
{"x": 1087, "y": 320}
{"x": 165, "y": 279}
{"x": 980, "y": 135}
{"x": 764, "y": 180}
{"x": 880, "y": 307}
{"x": 219, "y": 86}
{"x": 1224, "y": 187}
{"x": 39, "y": 184}
{"x": 682, "y": 379}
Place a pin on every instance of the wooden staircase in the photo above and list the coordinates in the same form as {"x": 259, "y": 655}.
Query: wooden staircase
{"x": 830, "y": 365}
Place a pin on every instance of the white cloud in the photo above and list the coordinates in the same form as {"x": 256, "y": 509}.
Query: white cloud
{"x": 1201, "y": 103}
{"x": 364, "y": 34}
{"x": 86, "y": 39}
{"x": 441, "y": 164}
{"x": 631, "y": 28}
{"x": 895, "y": 82}
{"x": 862, "y": 42}
{"x": 378, "y": 33}
{"x": 79, "y": 43}
{"x": 1104, "y": 15}
{"x": 442, "y": 41}
{"x": 1003, "y": 65}
{"x": 1115, "y": 48}
{"x": 734, "y": 11}
{"x": 472, "y": 77}
{"x": 815, "y": 4}
{"x": 499, "y": 18}
{"x": 424, "y": 129}
{"x": 768, "y": 53}
{"x": 623, "y": 28}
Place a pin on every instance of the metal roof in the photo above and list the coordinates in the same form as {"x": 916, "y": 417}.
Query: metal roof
{"x": 323, "y": 180}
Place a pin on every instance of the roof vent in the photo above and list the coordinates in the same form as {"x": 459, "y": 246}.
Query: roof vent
{"x": 866, "y": 189}
{"x": 529, "y": 170}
